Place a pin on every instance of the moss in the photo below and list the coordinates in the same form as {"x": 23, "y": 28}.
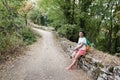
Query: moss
{"x": 118, "y": 54}
{"x": 97, "y": 72}
{"x": 99, "y": 64}
{"x": 111, "y": 69}
{"x": 88, "y": 59}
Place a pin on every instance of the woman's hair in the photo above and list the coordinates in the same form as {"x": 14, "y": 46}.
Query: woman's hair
{"x": 82, "y": 32}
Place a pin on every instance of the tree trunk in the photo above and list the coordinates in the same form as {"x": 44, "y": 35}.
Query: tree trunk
{"x": 116, "y": 38}
{"x": 26, "y": 19}
{"x": 73, "y": 12}
{"x": 110, "y": 31}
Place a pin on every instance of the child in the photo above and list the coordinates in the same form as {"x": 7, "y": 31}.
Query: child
{"x": 79, "y": 50}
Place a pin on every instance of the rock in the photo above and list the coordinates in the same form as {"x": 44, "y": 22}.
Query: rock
{"x": 110, "y": 77}
{"x": 105, "y": 77}
{"x": 116, "y": 72}
{"x": 102, "y": 77}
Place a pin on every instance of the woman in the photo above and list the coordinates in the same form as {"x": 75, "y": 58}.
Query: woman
{"x": 79, "y": 50}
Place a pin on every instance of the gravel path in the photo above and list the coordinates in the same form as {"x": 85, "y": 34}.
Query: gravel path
{"x": 45, "y": 60}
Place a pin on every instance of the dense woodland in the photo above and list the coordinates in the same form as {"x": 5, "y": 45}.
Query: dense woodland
{"x": 99, "y": 18}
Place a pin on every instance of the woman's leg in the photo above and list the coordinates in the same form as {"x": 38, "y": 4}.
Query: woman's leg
{"x": 74, "y": 61}
{"x": 73, "y": 55}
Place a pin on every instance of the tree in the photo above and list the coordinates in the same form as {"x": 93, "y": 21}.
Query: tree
{"x": 25, "y": 9}
{"x": 102, "y": 16}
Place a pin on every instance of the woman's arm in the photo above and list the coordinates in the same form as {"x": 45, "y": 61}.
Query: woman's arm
{"x": 79, "y": 46}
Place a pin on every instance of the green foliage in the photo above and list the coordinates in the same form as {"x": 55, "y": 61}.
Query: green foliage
{"x": 51, "y": 8}
{"x": 13, "y": 33}
{"x": 99, "y": 18}
{"x": 117, "y": 54}
{"x": 56, "y": 17}
{"x": 69, "y": 31}
{"x": 10, "y": 22}
{"x": 35, "y": 15}
{"x": 28, "y": 35}
{"x": 9, "y": 43}
{"x": 118, "y": 49}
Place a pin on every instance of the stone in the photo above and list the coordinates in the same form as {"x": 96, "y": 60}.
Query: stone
{"x": 102, "y": 77}
{"x": 116, "y": 71}
{"x": 110, "y": 77}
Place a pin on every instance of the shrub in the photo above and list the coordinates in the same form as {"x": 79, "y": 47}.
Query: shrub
{"x": 28, "y": 35}
{"x": 9, "y": 43}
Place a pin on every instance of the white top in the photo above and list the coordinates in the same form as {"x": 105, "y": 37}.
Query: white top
{"x": 82, "y": 40}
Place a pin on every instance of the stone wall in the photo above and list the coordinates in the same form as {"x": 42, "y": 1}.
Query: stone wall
{"x": 96, "y": 68}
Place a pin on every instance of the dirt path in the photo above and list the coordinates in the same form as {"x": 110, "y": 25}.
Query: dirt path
{"x": 45, "y": 60}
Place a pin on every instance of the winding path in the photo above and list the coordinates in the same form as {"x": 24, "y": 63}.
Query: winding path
{"x": 45, "y": 60}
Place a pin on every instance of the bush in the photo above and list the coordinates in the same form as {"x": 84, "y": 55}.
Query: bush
{"x": 9, "y": 43}
{"x": 69, "y": 31}
{"x": 28, "y": 35}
